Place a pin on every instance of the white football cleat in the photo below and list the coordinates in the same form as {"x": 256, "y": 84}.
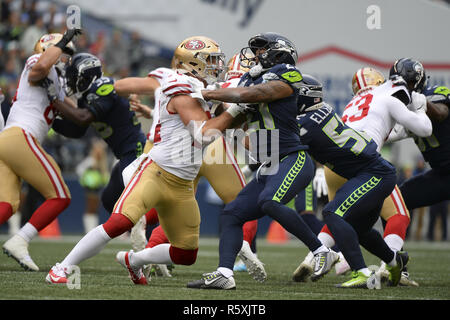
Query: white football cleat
{"x": 57, "y": 275}
{"x": 342, "y": 266}
{"x": 323, "y": 262}
{"x": 136, "y": 274}
{"x": 17, "y": 248}
{"x": 254, "y": 266}
{"x": 305, "y": 269}
{"x": 138, "y": 235}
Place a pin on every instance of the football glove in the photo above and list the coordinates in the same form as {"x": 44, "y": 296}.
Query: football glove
{"x": 241, "y": 108}
{"x": 67, "y": 37}
{"x": 319, "y": 183}
{"x": 49, "y": 85}
{"x": 418, "y": 102}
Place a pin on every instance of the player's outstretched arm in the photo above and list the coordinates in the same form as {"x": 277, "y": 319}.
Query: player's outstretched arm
{"x": 264, "y": 92}
{"x": 81, "y": 117}
{"x": 134, "y": 85}
{"x": 417, "y": 122}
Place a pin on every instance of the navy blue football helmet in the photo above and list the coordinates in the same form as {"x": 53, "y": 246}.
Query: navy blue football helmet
{"x": 411, "y": 71}
{"x": 278, "y": 49}
{"x": 83, "y": 70}
{"x": 310, "y": 93}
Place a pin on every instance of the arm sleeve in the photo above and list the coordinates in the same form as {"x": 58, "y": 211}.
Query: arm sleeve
{"x": 416, "y": 122}
{"x": 68, "y": 128}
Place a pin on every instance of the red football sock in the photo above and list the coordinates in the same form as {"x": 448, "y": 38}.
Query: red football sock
{"x": 5, "y": 212}
{"x": 48, "y": 211}
{"x": 397, "y": 224}
{"x": 183, "y": 256}
{"x": 117, "y": 224}
{"x": 157, "y": 237}
{"x": 326, "y": 230}
{"x": 152, "y": 217}
{"x": 249, "y": 230}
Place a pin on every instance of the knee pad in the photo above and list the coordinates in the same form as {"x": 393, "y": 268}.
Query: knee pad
{"x": 183, "y": 256}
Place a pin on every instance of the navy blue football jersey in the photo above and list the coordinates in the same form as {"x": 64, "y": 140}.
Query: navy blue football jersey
{"x": 114, "y": 121}
{"x": 277, "y": 117}
{"x": 436, "y": 148}
{"x": 336, "y": 145}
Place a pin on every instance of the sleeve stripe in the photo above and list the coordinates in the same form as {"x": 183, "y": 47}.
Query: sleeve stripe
{"x": 179, "y": 92}
{"x": 154, "y": 75}
{"x": 177, "y": 85}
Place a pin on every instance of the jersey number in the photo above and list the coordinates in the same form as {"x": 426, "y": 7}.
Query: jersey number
{"x": 363, "y": 104}
{"x": 342, "y": 138}
{"x": 49, "y": 114}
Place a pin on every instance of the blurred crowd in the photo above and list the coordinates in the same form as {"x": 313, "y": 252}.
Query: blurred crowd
{"x": 22, "y": 23}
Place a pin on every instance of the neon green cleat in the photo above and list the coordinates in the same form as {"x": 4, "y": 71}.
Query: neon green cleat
{"x": 359, "y": 280}
{"x": 395, "y": 273}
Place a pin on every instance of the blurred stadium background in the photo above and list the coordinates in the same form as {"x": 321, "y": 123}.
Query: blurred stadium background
{"x": 333, "y": 38}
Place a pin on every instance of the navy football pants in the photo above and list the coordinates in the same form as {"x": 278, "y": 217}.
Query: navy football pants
{"x": 267, "y": 195}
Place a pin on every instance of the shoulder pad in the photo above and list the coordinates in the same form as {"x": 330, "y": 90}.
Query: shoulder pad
{"x": 284, "y": 72}
{"x": 438, "y": 94}
{"x": 160, "y": 73}
{"x": 176, "y": 84}
{"x": 394, "y": 90}
{"x": 103, "y": 86}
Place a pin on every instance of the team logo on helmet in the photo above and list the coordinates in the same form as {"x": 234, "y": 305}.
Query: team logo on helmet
{"x": 47, "y": 37}
{"x": 194, "y": 44}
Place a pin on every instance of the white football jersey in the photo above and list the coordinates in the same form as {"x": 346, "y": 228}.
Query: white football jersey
{"x": 173, "y": 146}
{"x": 375, "y": 111}
{"x": 31, "y": 109}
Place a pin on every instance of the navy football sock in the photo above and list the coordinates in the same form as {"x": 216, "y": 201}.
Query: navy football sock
{"x": 313, "y": 223}
{"x": 374, "y": 243}
{"x": 231, "y": 238}
{"x": 289, "y": 219}
{"x": 346, "y": 238}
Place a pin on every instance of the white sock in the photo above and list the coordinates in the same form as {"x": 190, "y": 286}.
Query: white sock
{"x": 157, "y": 255}
{"x": 322, "y": 248}
{"x": 394, "y": 241}
{"x": 365, "y": 271}
{"x": 14, "y": 223}
{"x": 393, "y": 263}
{"x": 90, "y": 221}
{"x": 28, "y": 232}
{"x": 226, "y": 272}
{"x": 326, "y": 239}
{"x": 90, "y": 245}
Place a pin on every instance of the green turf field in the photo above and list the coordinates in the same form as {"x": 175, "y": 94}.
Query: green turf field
{"x": 103, "y": 278}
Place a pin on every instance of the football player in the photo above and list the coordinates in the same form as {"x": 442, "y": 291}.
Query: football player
{"x": 224, "y": 176}
{"x": 21, "y": 153}
{"x": 432, "y": 186}
{"x": 272, "y": 84}
{"x": 164, "y": 177}
{"x": 108, "y": 113}
{"x": 354, "y": 208}
{"x": 375, "y": 109}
